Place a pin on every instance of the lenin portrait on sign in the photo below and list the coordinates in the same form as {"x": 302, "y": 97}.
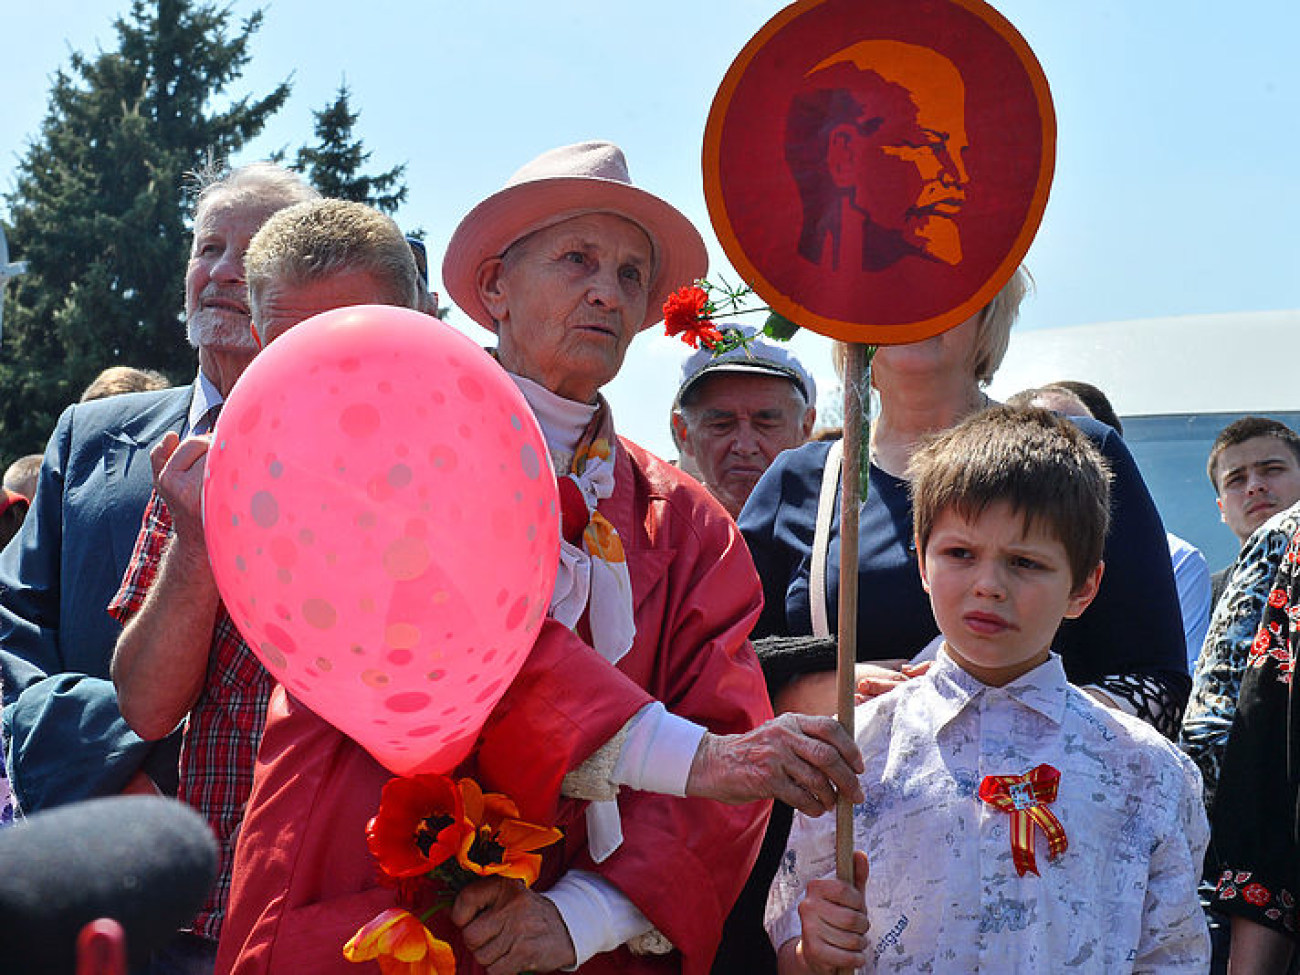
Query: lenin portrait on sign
{"x": 875, "y": 140}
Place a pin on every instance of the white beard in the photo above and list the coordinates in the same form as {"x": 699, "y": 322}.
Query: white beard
{"x": 211, "y": 328}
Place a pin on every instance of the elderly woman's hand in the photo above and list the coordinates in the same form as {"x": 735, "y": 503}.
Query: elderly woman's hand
{"x": 801, "y": 759}
{"x": 511, "y": 929}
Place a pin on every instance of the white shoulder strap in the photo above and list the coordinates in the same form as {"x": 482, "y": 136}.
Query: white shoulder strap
{"x": 822, "y": 540}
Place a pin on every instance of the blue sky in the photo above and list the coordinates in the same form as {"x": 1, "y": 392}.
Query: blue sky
{"x": 1178, "y": 135}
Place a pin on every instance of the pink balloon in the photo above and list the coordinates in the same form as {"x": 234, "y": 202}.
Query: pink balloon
{"x": 382, "y": 524}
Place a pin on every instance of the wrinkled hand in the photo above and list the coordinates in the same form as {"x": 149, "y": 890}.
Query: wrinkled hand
{"x": 510, "y": 929}
{"x": 178, "y": 467}
{"x": 834, "y": 919}
{"x": 800, "y": 759}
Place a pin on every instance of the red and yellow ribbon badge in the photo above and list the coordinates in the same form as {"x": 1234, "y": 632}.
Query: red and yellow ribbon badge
{"x": 1025, "y": 797}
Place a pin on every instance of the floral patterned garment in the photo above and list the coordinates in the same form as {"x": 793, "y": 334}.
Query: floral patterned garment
{"x": 1254, "y": 851}
{"x": 8, "y": 808}
{"x": 944, "y": 896}
{"x": 1217, "y": 680}
{"x": 8, "y": 804}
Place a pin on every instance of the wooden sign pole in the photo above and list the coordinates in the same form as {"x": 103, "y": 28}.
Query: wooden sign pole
{"x": 768, "y": 179}
{"x": 853, "y": 490}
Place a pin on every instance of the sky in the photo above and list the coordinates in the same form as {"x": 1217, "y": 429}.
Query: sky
{"x": 1176, "y": 131}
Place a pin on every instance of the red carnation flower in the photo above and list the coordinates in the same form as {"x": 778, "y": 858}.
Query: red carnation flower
{"x": 686, "y": 315}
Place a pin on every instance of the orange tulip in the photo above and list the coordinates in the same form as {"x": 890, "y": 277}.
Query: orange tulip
{"x": 420, "y": 825}
{"x": 499, "y": 842}
{"x": 402, "y": 945}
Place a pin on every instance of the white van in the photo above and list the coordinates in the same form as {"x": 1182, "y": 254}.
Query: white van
{"x": 1175, "y": 383}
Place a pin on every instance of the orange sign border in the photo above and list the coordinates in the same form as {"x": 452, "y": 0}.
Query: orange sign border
{"x": 894, "y": 334}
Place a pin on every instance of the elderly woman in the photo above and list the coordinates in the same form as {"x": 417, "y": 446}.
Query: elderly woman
{"x": 640, "y": 678}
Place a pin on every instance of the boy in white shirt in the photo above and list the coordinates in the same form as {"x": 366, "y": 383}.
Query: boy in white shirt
{"x": 1011, "y": 822}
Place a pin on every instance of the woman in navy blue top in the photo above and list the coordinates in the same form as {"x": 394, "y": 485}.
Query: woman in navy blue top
{"x": 1127, "y": 648}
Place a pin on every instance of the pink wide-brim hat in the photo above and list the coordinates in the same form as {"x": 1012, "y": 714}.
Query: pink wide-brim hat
{"x": 590, "y": 177}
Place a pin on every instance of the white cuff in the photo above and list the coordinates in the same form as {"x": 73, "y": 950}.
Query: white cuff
{"x": 598, "y": 915}
{"x": 658, "y": 752}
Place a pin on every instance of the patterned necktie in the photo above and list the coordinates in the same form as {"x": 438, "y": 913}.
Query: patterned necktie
{"x": 208, "y": 420}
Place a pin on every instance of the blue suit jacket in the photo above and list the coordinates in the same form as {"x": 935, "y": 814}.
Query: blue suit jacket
{"x": 64, "y": 736}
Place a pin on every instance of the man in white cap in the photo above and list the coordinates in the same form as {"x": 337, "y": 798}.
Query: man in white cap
{"x": 735, "y": 412}
{"x": 661, "y": 716}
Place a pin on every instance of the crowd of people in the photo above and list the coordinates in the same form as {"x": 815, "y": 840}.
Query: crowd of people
{"x": 1028, "y": 637}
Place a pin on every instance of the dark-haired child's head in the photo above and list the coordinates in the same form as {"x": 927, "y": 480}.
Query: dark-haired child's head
{"x": 1035, "y": 461}
{"x": 1011, "y": 509}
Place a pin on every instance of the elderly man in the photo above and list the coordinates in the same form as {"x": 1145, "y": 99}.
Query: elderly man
{"x": 179, "y": 657}
{"x": 63, "y": 733}
{"x": 735, "y": 412}
{"x": 641, "y": 674}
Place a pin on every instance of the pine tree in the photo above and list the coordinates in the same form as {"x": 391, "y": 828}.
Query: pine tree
{"x": 98, "y": 208}
{"x": 333, "y": 165}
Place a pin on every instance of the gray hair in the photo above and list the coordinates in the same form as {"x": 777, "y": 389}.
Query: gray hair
{"x": 257, "y": 183}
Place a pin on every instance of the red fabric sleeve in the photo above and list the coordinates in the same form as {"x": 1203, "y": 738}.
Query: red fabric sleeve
{"x": 684, "y": 861}
{"x": 564, "y": 704}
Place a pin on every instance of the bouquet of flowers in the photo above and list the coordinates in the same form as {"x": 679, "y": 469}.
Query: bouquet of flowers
{"x": 432, "y": 836}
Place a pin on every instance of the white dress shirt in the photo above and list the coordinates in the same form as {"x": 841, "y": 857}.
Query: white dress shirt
{"x": 943, "y": 895}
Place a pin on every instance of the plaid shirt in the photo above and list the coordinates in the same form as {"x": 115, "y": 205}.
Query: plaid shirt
{"x": 223, "y": 729}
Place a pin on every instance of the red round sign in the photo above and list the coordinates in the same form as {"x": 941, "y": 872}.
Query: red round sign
{"x": 876, "y": 169}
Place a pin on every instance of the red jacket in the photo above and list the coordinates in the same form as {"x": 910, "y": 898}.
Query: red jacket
{"x": 304, "y": 881}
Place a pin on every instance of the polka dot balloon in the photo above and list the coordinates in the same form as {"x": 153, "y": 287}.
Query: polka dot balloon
{"x": 383, "y": 527}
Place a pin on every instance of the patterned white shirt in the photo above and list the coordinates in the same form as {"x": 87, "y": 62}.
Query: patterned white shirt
{"x": 943, "y": 894}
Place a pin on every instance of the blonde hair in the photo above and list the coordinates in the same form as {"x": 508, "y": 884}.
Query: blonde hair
{"x": 993, "y": 331}
{"x": 313, "y": 240}
{"x": 116, "y": 380}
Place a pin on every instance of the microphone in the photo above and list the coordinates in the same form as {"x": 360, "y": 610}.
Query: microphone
{"x": 144, "y": 861}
